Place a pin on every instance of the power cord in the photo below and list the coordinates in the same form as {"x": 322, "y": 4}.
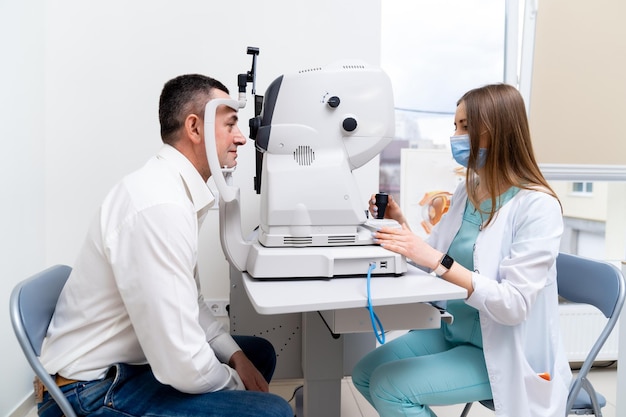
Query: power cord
{"x": 376, "y": 324}
{"x": 295, "y": 392}
{"x": 293, "y": 397}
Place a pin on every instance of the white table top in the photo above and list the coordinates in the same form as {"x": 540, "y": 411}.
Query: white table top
{"x": 297, "y": 296}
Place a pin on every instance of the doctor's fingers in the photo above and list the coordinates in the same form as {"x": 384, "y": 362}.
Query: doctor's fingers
{"x": 396, "y": 243}
{"x": 373, "y": 208}
{"x": 394, "y": 232}
{"x": 404, "y": 248}
{"x": 372, "y": 202}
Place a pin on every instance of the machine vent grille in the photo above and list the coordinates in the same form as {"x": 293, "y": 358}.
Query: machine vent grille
{"x": 304, "y": 155}
{"x": 354, "y": 66}
{"x": 293, "y": 240}
{"x": 310, "y": 70}
{"x": 339, "y": 240}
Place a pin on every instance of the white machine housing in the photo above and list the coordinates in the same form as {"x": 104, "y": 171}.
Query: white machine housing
{"x": 316, "y": 127}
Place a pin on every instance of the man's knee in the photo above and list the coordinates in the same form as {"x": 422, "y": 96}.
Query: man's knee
{"x": 279, "y": 407}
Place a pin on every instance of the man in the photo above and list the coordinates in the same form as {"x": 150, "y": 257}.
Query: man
{"x": 131, "y": 333}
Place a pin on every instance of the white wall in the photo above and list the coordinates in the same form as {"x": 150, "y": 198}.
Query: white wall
{"x": 79, "y": 86}
{"x": 21, "y": 175}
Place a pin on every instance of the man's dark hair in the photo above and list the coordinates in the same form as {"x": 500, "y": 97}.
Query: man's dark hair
{"x": 182, "y": 96}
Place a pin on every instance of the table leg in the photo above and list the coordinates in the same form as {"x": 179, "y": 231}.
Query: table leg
{"x": 322, "y": 366}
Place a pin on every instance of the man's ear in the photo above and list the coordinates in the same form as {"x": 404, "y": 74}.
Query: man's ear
{"x": 194, "y": 126}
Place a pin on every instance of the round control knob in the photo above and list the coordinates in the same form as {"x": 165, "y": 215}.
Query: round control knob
{"x": 349, "y": 124}
{"x": 334, "y": 102}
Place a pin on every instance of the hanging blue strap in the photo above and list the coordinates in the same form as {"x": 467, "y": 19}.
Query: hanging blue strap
{"x": 376, "y": 324}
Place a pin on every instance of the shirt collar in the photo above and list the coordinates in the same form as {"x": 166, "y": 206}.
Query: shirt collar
{"x": 197, "y": 189}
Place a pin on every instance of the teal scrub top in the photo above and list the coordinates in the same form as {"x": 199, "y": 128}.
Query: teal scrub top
{"x": 466, "y": 326}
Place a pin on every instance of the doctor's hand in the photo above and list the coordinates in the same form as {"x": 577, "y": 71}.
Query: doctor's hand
{"x": 393, "y": 210}
{"x": 407, "y": 243}
{"x": 250, "y": 376}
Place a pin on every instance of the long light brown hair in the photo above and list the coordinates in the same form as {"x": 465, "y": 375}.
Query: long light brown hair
{"x": 497, "y": 112}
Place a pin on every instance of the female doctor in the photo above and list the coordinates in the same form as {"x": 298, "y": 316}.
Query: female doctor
{"x": 499, "y": 240}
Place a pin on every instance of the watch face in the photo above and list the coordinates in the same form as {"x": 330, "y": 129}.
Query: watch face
{"x": 447, "y": 261}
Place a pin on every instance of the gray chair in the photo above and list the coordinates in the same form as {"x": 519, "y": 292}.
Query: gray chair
{"x": 32, "y": 304}
{"x": 600, "y": 284}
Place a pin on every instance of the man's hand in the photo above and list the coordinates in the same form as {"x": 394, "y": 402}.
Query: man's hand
{"x": 251, "y": 377}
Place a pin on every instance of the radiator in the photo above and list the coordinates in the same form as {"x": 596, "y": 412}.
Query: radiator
{"x": 580, "y": 327}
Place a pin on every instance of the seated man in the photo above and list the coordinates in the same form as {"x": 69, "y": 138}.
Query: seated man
{"x": 131, "y": 334}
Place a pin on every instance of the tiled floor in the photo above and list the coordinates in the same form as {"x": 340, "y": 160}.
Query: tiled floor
{"x": 353, "y": 404}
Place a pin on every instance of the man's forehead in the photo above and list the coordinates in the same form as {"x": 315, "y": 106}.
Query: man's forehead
{"x": 217, "y": 93}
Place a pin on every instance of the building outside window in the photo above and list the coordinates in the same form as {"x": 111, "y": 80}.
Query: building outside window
{"x": 584, "y": 187}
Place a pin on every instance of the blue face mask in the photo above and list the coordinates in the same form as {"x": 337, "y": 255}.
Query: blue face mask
{"x": 460, "y": 146}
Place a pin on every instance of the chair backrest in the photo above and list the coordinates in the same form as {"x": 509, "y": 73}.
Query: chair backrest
{"x": 588, "y": 281}
{"x": 31, "y": 306}
{"x": 593, "y": 282}
{"x": 601, "y": 284}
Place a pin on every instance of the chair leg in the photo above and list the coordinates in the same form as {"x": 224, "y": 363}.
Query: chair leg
{"x": 466, "y": 409}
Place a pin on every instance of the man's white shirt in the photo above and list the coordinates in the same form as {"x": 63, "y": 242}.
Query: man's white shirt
{"x": 133, "y": 295}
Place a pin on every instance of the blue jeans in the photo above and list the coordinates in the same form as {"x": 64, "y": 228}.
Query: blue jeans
{"x": 132, "y": 390}
{"x": 421, "y": 368}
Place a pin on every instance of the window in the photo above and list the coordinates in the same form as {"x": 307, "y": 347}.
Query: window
{"x": 582, "y": 188}
{"x": 434, "y": 51}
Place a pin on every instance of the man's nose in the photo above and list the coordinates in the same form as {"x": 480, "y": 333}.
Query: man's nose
{"x": 239, "y": 137}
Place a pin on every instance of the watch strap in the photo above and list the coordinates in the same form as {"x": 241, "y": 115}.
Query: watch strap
{"x": 444, "y": 265}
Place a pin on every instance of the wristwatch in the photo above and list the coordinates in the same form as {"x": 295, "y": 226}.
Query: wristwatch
{"x": 445, "y": 264}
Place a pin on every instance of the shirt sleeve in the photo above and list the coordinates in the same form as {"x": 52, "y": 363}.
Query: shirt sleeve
{"x": 153, "y": 259}
{"x": 218, "y": 338}
{"x": 522, "y": 274}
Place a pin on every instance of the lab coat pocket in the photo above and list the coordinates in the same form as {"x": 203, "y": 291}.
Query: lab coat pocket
{"x": 539, "y": 389}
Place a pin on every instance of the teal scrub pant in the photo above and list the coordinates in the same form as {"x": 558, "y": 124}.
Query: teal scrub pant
{"x": 420, "y": 369}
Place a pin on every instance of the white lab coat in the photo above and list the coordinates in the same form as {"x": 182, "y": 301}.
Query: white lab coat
{"x": 515, "y": 293}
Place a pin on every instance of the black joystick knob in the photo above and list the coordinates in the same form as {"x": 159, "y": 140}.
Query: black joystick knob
{"x": 381, "y": 202}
